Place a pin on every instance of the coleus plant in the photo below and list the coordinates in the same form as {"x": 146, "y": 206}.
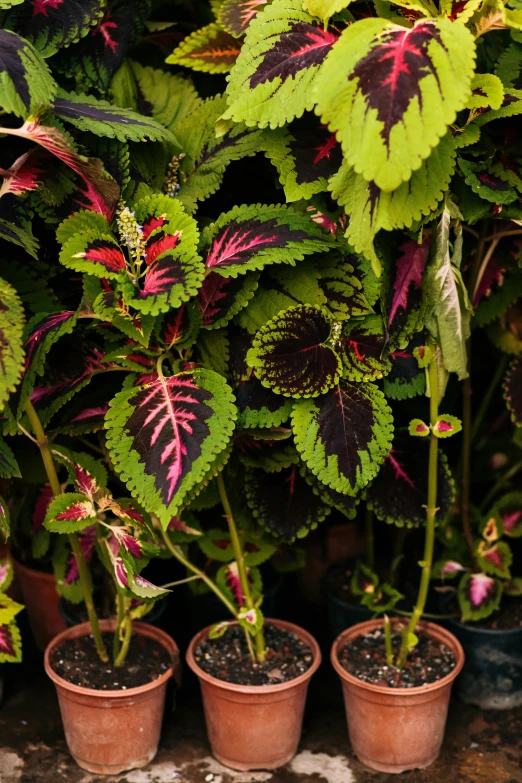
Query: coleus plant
{"x": 10, "y": 642}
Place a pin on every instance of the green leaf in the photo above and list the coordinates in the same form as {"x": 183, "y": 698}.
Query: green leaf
{"x": 384, "y": 598}
{"x": 8, "y": 464}
{"x": 418, "y": 428}
{"x": 364, "y": 580}
{"x": 487, "y": 92}
{"x": 363, "y": 352}
{"x": 70, "y": 512}
{"x": 10, "y": 644}
{"x": 18, "y": 236}
{"x": 210, "y": 49}
{"x": 217, "y": 630}
{"x": 11, "y": 344}
{"x": 495, "y": 559}
{"x": 5, "y": 519}
{"x": 447, "y": 305}
{"x": 344, "y": 435}
{"x": 251, "y": 620}
{"x": 479, "y": 595}
{"x": 371, "y": 209}
{"x": 509, "y": 66}
{"x": 446, "y": 426}
{"x": 389, "y": 115}
{"x": 291, "y": 353}
{"x": 324, "y": 9}
{"x": 172, "y": 97}
{"x": 164, "y": 435}
{"x": 102, "y": 118}
{"x": 236, "y": 15}
{"x": 26, "y": 84}
{"x": 272, "y": 80}
{"x": 8, "y": 609}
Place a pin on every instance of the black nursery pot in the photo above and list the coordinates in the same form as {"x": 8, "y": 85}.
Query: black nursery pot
{"x": 341, "y": 615}
{"x": 492, "y": 673}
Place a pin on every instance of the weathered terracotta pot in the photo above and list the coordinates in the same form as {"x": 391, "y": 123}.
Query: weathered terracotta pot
{"x": 254, "y": 726}
{"x": 109, "y": 732}
{"x": 396, "y": 729}
{"x": 40, "y": 599}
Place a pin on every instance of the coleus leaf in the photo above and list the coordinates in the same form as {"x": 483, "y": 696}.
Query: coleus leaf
{"x": 8, "y": 608}
{"x": 6, "y": 574}
{"x": 342, "y": 282}
{"x": 346, "y": 504}
{"x": 511, "y": 106}
{"x": 509, "y": 510}
{"x": 291, "y": 354}
{"x": 11, "y": 349}
{"x": 363, "y": 352}
{"x": 272, "y": 80}
{"x": 324, "y": 9}
{"x": 405, "y": 379}
{"x": 171, "y": 97}
{"x": 513, "y": 391}
{"x": 10, "y": 644}
{"x": 210, "y": 49}
{"x": 390, "y": 93}
{"x": 102, "y": 118}
{"x": 236, "y": 15}
{"x": 487, "y": 185}
{"x": 487, "y": 92}
{"x": 24, "y": 175}
{"x": 406, "y": 287}
{"x": 446, "y": 426}
{"x": 371, "y": 209}
{"x": 459, "y": 10}
{"x": 283, "y": 502}
{"x": 509, "y": 66}
{"x": 513, "y": 587}
{"x": 344, "y": 435}
{"x": 398, "y": 494}
{"x": 306, "y": 155}
{"x": 53, "y": 25}
{"x": 251, "y": 620}
{"x": 180, "y": 327}
{"x": 19, "y": 236}
{"x": 479, "y": 595}
{"x": 255, "y": 449}
{"x": 164, "y": 435}
{"x": 69, "y": 513}
{"x": 418, "y": 428}
{"x": 144, "y": 589}
{"x": 258, "y": 406}
{"x": 216, "y": 544}
{"x": 495, "y": 559}
{"x": 26, "y": 84}
{"x": 383, "y": 598}
{"x": 221, "y": 298}
{"x": 363, "y": 580}
{"x": 250, "y": 237}
{"x": 5, "y": 519}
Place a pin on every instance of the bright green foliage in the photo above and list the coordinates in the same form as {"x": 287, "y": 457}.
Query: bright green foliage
{"x": 387, "y": 147}
{"x": 324, "y": 9}
{"x": 509, "y": 65}
{"x": 11, "y": 343}
{"x": 26, "y": 84}
{"x": 363, "y": 349}
{"x": 171, "y": 96}
{"x": 487, "y": 92}
{"x": 210, "y": 49}
{"x": 69, "y": 513}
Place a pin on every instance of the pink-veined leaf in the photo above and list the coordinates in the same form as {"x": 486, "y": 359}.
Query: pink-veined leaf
{"x": 509, "y": 510}
{"x": 69, "y": 513}
{"x": 451, "y": 567}
{"x": 87, "y": 541}
{"x": 163, "y": 435}
{"x": 363, "y": 344}
{"x": 479, "y": 595}
{"x": 6, "y": 574}
{"x": 495, "y": 559}
{"x": 446, "y": 426}
{"x": 125, "y": 540}
{"x": 145, "y": 589}
{"x": 221, "y": 298}
{"x": 24, "y": 175}
{"x": 10, "y": 644}
{"x": 236, "y": 15}
{"x": 407, "y": 274}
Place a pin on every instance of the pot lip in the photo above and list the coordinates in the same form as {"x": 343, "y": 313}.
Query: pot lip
{"x": 84, "y": 629}
{"x": 304, "y": 635}
{"x": 39, "y": 574}
{"x": 370, "y": 625}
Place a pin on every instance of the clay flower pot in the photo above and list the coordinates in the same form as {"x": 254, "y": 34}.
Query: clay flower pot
{"x": 254, "y": 726}
{"x": 40, "y": 599}
{"x": 396, "y": 729}
{"x": 109, "y": 732}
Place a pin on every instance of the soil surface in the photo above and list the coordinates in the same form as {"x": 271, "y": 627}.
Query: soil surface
{"x": 77, "y": 661}
{"x": 228, "y": 658}
{"x": 365, "y": 658}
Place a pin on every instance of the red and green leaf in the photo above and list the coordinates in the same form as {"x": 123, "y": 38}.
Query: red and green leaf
{"x": 446, "y": 426}
{"x": 363, "y": 343}
{"x": 10, "y": 644}
{"x": 344, "y": 435}
{"x": 164, "y": 435}
{"x": 236, "y": 15}
{"x": 69, "y": 513}
{"x": 487, "y": 185}
{"x": 405, "y": 289}
{"x": 495, "y": 559}
{"x": 258, "y": 406}
{"x": 249, "y": 238}
{"x": 509, "y": 510}
{"x": 221, "y": 298}
{"x": 390, "y": 93}
{"x": 405, "y": 379}
{"x": 291, "y": 353}
{"x": 479, "y": 595}
{"x": 342, "y": 282}
{"x": 210, "y": 49}
{"x": 6, "y": 574}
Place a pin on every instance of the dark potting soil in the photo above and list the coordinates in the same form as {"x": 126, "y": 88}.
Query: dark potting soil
{"x": 365, "y": 658}
{"x": 228, "y": 658}
{"x": 77, "y": 661}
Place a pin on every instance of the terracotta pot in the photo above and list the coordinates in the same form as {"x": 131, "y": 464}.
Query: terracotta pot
{"x": 109, "y": 732}
{"x": 396, "y": 729}
{"x": 254, "y": 726}
{"x": 40, "y": 599}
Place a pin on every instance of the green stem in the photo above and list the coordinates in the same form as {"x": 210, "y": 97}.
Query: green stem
{"x": 119, "y": 620}
{"x": 240, "y": 560}
{"x": 388, "y": 640}
{"x": 180, "y": 557}
{"x": 486, "y": 399}
{"x": 431, "y": 510}
{"x": 370, "y": 543}
{"x": 83, "y": 569}
{"x": 126, "y": 641}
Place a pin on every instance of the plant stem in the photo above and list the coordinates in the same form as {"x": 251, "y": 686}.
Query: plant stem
{"x": 180, "y": 557}
{"x": 388, "y": 641}
{"x": 119, "y": 620}
{"x": 240, "y": 560}
{"x": 431, "y": 510}
{"x": 466, "y": 463}
{"x": 126, "y": 641}
{"x": 486, "y": 399}
{"x": 370, "y": 544}
{"x": 83, "y": 569}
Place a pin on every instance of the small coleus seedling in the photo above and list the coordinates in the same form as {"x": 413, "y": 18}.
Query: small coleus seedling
{"x": 483, "y": 582}
{"x": 377, "y": 596}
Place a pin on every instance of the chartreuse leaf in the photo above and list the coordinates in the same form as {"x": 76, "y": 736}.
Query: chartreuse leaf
{"x": 251, "y": 237}
{"x": 258, "y": 406}
{"x": 344, "y": 435}
{"x": 11, "y": 347}
{"x": 10, "y": 644}
{"x": 210, "y": 49}
{"x": 446, "y": 426}
{"x": 447, "y": 304}
{"x": 271, "y": 82}
{"x": 8, "y": 608}
{"x": 172, "y": 97}
{"x": 509, "y": 66}
{"x": 363, "y": 349}
{"x": 513, "y": 587}
{"x": 291, "y": 354}
{"x": 511, "y": 107}
{"x": 70, "y": 512}
{"x": 6, "y": 4}
{"x": 283, "y": 502}
{"x": 458, "y": 11}
{"x": 487, "y": 92}
{"x": 418, "y": 428}
{"x": 371, "y": 209}
{"x": 405, "y": 379}
{"x": 51, "y": 26}
{"x": 6, "y": 574}
{"x": 342, "y": 283}
{"x": 479, "y": 595}
{"x": 390, "y": 93}
{"x": 324, "y": 9}
{"x": 102, "y": 118}
{"x": 26, "y": 84}
{"x": 164, "y": 435}
{"x": 235, "y": 15}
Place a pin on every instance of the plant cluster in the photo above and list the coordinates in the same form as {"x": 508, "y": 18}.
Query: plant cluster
{"x": 170, "y": 345}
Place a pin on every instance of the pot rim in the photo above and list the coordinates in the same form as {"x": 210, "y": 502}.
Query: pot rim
{"x": 369, "y": 625}
{"x": 84, "y": 629}
{"x": 304, "y": 635}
